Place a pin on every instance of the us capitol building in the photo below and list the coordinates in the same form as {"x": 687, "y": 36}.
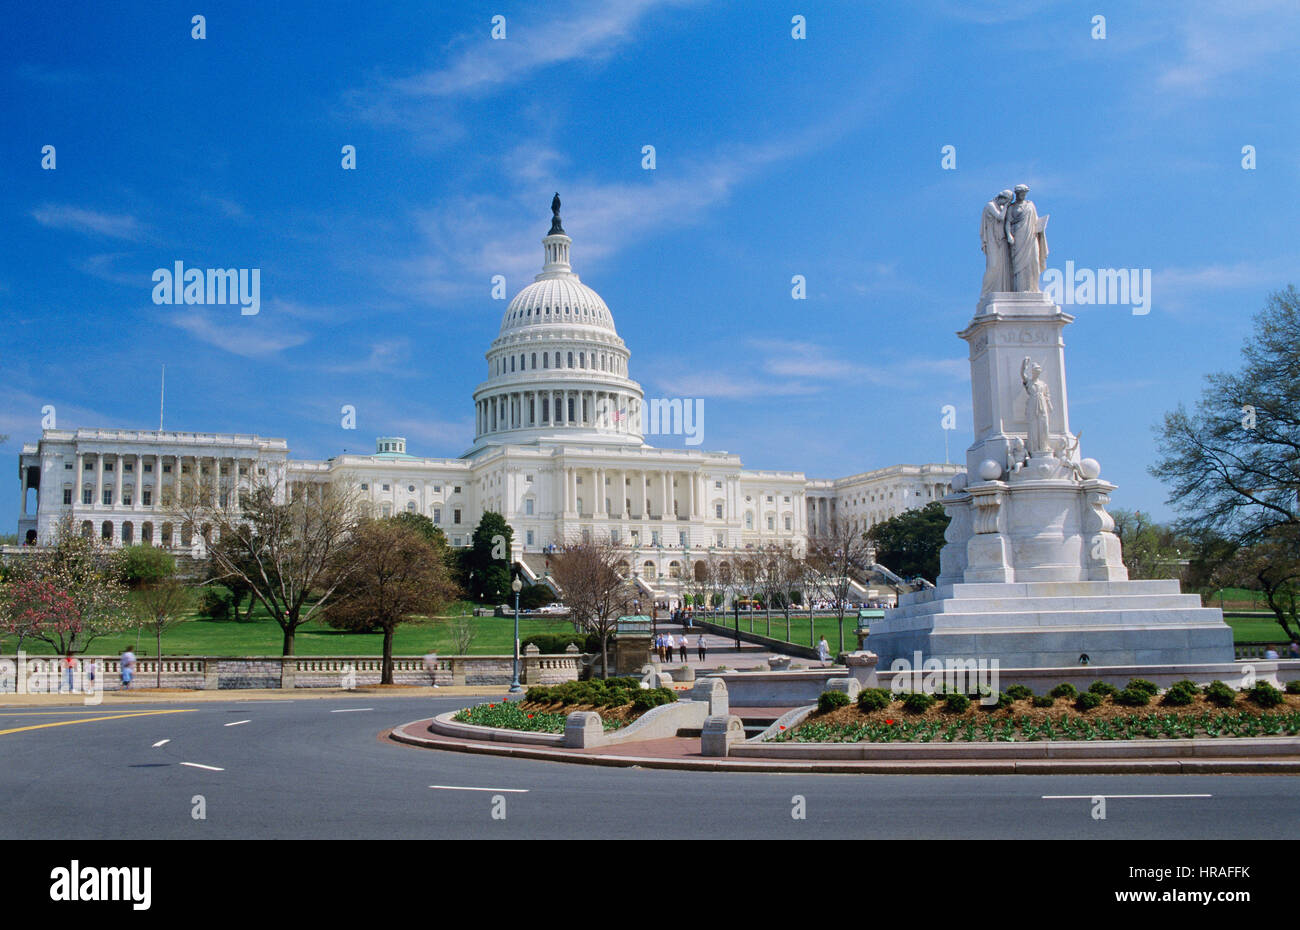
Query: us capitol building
{"x": 558, "y": 451}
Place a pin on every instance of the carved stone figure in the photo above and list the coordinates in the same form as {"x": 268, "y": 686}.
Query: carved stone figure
{"x": 1026, "y": 235}
{"x": 1038, "y": 407}
{"x": 993, "y": 240}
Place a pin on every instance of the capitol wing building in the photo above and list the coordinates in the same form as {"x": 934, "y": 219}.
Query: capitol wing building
{"x": 558, "y": 450}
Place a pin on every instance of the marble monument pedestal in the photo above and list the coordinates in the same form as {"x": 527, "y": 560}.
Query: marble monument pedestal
{"x": 1050, "y": 624}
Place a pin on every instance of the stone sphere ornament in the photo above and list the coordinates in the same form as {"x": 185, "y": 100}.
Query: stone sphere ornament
{"x": 1091, "y": 468}
{"x": 959, "y": 481}
{"x": 990, "y": 470}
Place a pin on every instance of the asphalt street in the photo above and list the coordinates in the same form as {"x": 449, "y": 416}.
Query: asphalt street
{"x": 319, "y": 769}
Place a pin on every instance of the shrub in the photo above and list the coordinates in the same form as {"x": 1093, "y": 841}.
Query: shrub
{"x": 1220, "y": 695}
{"x": 1293, "y": 687}
{"x": 1104, "y": 688}
{"x": 653, "y": 697}
{"x": 1133, "y": 697}
{"x": 917, "y": 702}
{"x": 1019, "y": 693}
{"x": 1264, "y": 695}
{"x": 214, "y": 604}
{"x": 1064, "y": 689}
{"x": 1088, "y": 700}
{"x": 1004, "y": 701}
{"x": 956, "y": 703}
{"x": 832, "y": 700}
{"x": 1141, "y": 684}
{"x": 874, "y": 699}
{"x": 1042, "y": 700}
{"x": 1178, "y": 697}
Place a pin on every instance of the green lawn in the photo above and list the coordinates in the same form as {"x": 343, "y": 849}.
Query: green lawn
{"x": 799, "y": 634}
{"x": 263, "y": 637}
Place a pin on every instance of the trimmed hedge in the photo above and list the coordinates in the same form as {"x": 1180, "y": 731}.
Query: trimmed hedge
{"x": 1088, "y": 700}
{"x": 599, "y": 692}
{"x": 918, "y": 702}
{"x": 556, "y": 643}
{"x": 956, "y": 703}
{"x": 870, "y": 699}
{"x": 1133, "y": 697}
{"x": 1042, "y": 700}
{"x": 1293, "y": 687}
{"x": 1264, "y": 695}
{"x": 1141, "y": 684}
{"x": 1019, "y": 693}
{"x": 1220, "y": 695}
{"x": 1064, "y": 689}
{"x": 1104, "y": 688}
{"x": 832, "y": 700}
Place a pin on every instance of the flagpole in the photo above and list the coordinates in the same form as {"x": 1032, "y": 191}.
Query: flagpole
{"x": 162, "y": 393}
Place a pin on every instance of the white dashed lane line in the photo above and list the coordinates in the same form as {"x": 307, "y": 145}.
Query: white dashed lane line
{"x": 236, "y": 723}
{"x": 208, "y": 768}
{"x": 351, "y": 710}
{"x": 1109, "y": 797}
{"x": 161, "y": 742}
{"x": 467, "y": 788}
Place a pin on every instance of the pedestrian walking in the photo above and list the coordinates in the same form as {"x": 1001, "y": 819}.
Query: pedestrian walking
{"x": 824, "y": 651}
{"x": 681, "y": 644}
{"x": 69, "y": 672}
{"x": 699, "y": 647}
{"x": 88, "y": 669}
{"x": 431, "y": 666}
{"x": 127, "y": 668}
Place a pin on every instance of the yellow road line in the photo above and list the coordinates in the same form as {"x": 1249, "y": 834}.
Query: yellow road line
{"x": 64, "y": 723}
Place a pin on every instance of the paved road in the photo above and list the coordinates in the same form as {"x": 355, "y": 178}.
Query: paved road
{"x": 317, "y": 769}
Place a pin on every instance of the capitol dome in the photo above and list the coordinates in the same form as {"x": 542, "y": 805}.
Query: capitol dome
{"x": 557, "y": 370}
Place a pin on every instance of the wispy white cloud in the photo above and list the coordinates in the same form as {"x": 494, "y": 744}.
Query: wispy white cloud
{"x": 105, "y": 268}
{"x": 584, "y": 32}
{"x": 259, "y": 336}
{"x": 88, "y": 222}
{"x": 1219, "y": 41}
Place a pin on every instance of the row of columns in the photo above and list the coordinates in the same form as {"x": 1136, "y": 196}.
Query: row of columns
{"x": 526, "y": 409}
{"x": 212, "y": 481}
{"x": 636, "y": 492}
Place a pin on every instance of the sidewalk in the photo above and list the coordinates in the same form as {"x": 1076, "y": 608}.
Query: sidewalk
{"x": 185, "y": 696}
{"x": 721, "y": 650}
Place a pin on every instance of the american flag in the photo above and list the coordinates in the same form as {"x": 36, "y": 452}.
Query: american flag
{"x": 619, "y": 414}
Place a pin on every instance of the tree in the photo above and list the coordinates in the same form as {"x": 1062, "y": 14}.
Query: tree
{"x": 1233, "y": 465}
{"x": 143, "y": 565}
{"x": 159, "y": 606}
{"x": 390, "y": 573}
{"x": 291, "y": 553}
{"x": 487, "y": 562}
{"x": 834, "y": 559}
{"x": 1272, "y": 567}
{"x": 591, "y": 576}
{"x": 463, "y": 632}
{"x": 909, "y": 543}
{"x": 66, "y": 595}
{"x": 1151, "y": 550}
{"x": 233, "y": 552}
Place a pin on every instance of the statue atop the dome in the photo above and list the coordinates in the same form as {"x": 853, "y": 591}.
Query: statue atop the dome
{"x": 556, "y": 228}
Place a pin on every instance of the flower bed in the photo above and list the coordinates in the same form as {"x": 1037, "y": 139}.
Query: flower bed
{"x": 1184, "y": 712}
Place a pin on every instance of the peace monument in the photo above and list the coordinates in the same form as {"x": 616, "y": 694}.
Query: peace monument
{"x": 1031, "y": 572}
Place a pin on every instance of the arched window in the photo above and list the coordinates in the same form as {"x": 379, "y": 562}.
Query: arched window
{"x": 512, "y": 363}
{"x": 582, "y": 359}
{"x": 570, "y": 365}
{"x": 546, "y": 360}
{"x": 534, "y": 359}
{"x": 557, "y": 359}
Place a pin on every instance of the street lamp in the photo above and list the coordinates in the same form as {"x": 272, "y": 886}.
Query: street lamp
{"x": 515, "y": 687}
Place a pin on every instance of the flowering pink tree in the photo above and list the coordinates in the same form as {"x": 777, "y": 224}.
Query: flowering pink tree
{"x": 66, "y": 595}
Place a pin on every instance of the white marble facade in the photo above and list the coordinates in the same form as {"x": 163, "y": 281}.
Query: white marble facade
{"x": 558, "y": 450}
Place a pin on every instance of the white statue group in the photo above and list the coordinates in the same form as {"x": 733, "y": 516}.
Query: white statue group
{"x": 1014, "y": 240}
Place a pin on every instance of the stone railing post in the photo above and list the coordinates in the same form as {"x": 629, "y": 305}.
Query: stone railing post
{"x": 532, "y": 670}
{"x": 288, "y": 672}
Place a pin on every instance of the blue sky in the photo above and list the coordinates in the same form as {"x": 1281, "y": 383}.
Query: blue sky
{"x": 774, "y": 157}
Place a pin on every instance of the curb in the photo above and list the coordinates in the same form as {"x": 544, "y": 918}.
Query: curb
{"x": 403, "y": 734}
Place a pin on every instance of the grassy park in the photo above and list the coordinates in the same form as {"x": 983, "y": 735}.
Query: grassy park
{"x": 261, "y": 636}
